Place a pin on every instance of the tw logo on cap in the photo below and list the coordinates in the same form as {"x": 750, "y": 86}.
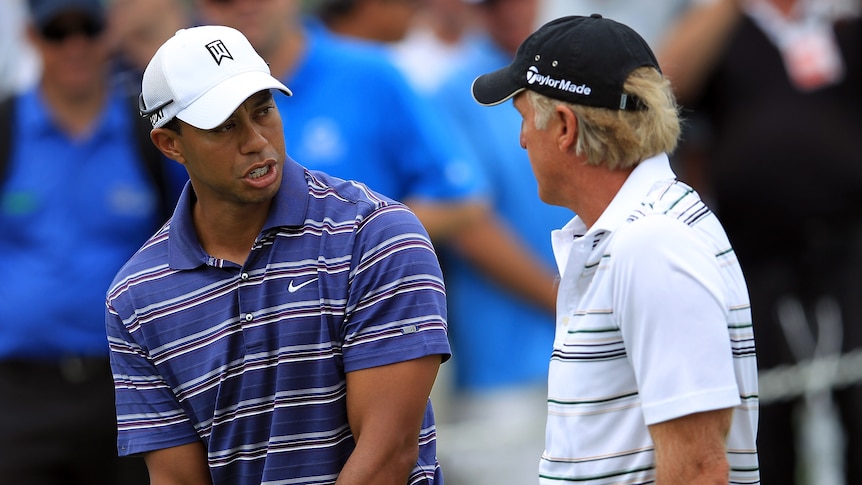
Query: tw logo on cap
{"x": 219, "y": 51}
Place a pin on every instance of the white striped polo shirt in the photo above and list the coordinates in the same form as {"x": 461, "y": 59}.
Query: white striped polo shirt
{"x": 653, "y": 323}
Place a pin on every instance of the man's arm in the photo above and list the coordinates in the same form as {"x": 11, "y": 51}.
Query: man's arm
{"x": 482, "y": 239}
{"x": 444, "y": 219}
{"x": 179, "y": 465}
{"x": 691, "y": 450}
{"x": 496, "y": 251}
{"x": 385, "y": 407}
{"x": 694, "y": 43}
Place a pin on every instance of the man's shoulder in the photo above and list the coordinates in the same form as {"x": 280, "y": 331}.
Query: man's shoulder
{"x": 336, "y": 198}
{"x": 672, "y": 216}
{"x": 150, "y": 259}
{"x": 322, "y": 184}
{"x": 349, "y": 201}
{"x": 672, "y": 198}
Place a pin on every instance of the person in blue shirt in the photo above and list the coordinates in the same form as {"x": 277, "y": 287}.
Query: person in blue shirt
{"x": 286, "y": 326}
{"x": 500, "y": 376}
{"x": 76, "y": 201}
{"x": 516, "y": 353}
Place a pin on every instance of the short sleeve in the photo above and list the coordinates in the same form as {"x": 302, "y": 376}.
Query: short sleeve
{"x": 671, "y": 303}
{"x": 397, "y": 303}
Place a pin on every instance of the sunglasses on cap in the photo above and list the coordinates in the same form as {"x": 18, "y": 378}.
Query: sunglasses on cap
{"x": 58, "y": 32}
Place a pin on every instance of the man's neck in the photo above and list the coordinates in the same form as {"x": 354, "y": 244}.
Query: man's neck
{"x": 229, "y": 232}
{"x": 600, "y": 186}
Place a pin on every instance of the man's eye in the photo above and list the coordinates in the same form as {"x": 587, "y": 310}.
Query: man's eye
{"x": 223, "y": 128}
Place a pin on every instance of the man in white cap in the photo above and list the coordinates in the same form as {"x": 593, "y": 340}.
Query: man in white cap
{"x": 286, "y": 326}
{"x": 653, "y": 375}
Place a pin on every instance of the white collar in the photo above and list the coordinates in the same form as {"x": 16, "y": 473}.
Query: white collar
{"x": 637, "y": 185}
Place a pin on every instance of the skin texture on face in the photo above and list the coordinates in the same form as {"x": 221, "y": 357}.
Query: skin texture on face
{"x": 542, "y": 152}
{"x": 238, "y": 163}
{"x": 564, "y": 176}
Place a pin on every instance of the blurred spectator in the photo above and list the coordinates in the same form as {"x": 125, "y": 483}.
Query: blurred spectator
{"x": 649, "y": 18}
{"x": 375, "y": 20}
{"x": 77, "y": 198}
{"x": 436, "y": 42}
{"x": 19, "y": 63}
{"x": 138, "y": 27}
{"x": 501, "y": 367}
{"x": 426, "y": 37}
{"x": 776, "y": 86}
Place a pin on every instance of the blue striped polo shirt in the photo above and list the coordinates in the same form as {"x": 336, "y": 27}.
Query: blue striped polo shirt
{"x": 252, "y": 359}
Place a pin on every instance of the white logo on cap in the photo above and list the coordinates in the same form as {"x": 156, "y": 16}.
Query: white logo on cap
{"x": 532, "y": 72}
{"x": 156, "y": 117}
{"x": 218, "y": 51}
{"x": 533, "y": 77}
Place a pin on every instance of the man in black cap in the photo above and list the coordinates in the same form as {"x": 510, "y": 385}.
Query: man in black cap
{"x": 75, "y": 203}
{"x": 653, "y": 374}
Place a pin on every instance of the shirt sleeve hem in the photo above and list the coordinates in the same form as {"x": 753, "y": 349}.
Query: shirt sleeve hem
{"x": 676, "y": 408}
{"x": 139, "y": 446}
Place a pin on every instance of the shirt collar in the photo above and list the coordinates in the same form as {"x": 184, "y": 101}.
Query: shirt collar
{"x": 630, "y": 195}
{"x": 289, "y": 207}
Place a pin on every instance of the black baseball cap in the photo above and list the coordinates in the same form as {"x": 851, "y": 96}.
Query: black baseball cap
{"x": 576, "y": 59}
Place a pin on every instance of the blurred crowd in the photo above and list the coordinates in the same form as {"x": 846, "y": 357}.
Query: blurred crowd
{"x": 771, "y": 94}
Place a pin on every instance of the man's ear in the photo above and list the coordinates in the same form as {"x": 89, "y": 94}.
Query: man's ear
{"x": 567, "y": 128}
{"x": 167, "y": 142}
{"x": 567, "y": 134}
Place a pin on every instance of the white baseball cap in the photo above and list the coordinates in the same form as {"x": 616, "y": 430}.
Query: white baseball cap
{"x": 201, "y": 75}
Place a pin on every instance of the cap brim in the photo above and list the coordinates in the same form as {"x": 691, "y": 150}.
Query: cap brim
{"x": 217, "y": 104}
{"x": 496, "y": 87}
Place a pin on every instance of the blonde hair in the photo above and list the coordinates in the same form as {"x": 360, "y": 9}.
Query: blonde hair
{"x": 621, "y": 139}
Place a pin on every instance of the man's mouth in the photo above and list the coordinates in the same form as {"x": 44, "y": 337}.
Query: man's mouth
{"x": 259, "y": 172}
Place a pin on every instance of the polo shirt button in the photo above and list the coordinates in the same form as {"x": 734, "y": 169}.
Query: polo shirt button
{"x": 244, "y": 276}
{"x": 249, "y": 317}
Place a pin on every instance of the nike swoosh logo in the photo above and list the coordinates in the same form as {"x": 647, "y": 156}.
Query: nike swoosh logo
{"x": 291, "y": 288}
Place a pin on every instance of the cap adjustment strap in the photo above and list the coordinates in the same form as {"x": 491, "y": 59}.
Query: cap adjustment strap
{"x": 630, "y": 102}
